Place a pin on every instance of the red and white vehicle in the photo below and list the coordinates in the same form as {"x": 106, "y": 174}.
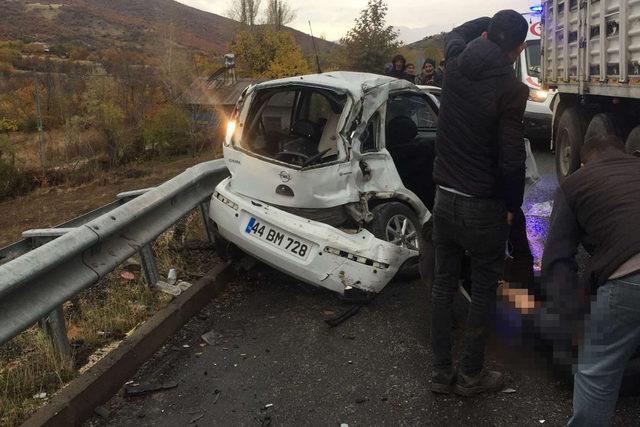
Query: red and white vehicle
{"x": 538, "y": 115}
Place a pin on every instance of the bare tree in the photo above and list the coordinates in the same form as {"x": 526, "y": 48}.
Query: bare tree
{"x": 245, "y": 11}
{"x": 279, "y": 13}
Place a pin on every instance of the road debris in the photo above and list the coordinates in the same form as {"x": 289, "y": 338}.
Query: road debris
{"x": 214, "y": 337}
{"x": 196, "y": 418}
{"x": 337, "y": 321}
{"x": 127, "y": 276}
{"x": 361, "y": 400}
{"x": 542, "y": 421}
{"x": 134, "y": 390}
{"x": 509, "y": 390}
{"x": 268, "y": 405}
{"x": 541, "y": 209}
{"x": 167, "y": 288}
{"x": 172, "y": 276}
{"x": 183, "y": 286}
{"x": 216, "y": 396}
{"x": 186, "y": 346}
{"x": 102, "y": 412}
{"x": 42, "y": 395}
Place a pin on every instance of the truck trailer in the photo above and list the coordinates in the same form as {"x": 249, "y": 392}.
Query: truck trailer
{"x": 591, "y": 56}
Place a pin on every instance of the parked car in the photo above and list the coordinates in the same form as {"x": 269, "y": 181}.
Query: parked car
{"x": 330, "y": 178}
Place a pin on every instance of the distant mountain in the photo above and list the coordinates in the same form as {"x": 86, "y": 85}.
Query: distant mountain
{"x": 408, "y": 35}
{"x": 129, "y": 24}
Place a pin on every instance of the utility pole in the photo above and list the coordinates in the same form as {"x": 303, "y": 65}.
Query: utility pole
{"x": 43, "y": 159}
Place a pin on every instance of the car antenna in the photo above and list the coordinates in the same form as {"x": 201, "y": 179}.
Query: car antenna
{"x": 315, "y": 48}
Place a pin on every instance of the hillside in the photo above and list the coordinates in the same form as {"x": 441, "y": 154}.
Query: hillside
{"x": 133, "y": 25}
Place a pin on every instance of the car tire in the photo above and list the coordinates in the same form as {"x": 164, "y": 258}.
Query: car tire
{"x": 569, "y": 140}
{"x": 225, "y": 249}
{"x": 388, "y": 216}
{"x": 633, "y": 142}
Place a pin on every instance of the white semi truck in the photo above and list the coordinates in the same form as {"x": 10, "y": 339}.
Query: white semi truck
{"x": 591, "y": 56}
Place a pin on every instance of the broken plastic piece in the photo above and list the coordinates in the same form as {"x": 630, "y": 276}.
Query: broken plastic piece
{"x": 172, "y": 277}
{"x": 127, "y": 275}
{"x": 183, "y": 286}
{"x": 167, "y": 288}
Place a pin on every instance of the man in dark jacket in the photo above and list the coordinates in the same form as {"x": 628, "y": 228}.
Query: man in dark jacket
{"x": 399, "y": 69}
{"x": 480, "y": 172}
{"x": 598, "y": 206}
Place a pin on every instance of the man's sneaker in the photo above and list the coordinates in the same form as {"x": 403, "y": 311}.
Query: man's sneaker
{"x": 442, "y": 382}
{"x": 485, "y": 381}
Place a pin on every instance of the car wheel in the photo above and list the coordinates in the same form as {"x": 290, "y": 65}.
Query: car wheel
{"x": 396, "y": 223}
{"x": 569, "y": 139}
{"x": 633, "y": 142}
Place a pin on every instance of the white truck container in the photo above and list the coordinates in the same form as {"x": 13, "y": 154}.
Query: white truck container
{"x": 591, "y": 55}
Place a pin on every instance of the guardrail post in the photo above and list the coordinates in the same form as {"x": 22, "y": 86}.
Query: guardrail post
{"x": 55, "y": 327}
{"x": 204, "y": 210}
{"x": 149, "y": 265}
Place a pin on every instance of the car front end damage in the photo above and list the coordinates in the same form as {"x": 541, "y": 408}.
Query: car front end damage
{"x": 311, "y": 251}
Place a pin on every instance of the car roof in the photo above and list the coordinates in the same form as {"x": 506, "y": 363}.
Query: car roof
{"x": 344, "y": 81}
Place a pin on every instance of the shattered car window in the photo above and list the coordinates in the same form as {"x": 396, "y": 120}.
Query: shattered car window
{"x": 297, "y": 126}
{"x": 414, "y": 107}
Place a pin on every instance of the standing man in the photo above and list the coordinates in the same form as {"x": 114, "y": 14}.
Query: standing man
{"x": 480, "y": 173}
{"x": 598, "y": 206}
{"x": 399, "y": 69}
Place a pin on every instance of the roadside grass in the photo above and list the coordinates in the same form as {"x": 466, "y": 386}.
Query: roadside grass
{"x": 97, "y": 320}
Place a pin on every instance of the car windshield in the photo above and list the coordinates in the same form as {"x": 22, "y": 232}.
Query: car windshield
{"x": 298, "y": 126}
{"x": 532, "y": 53}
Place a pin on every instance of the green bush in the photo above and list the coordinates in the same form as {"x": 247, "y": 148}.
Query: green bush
{"x": 167, "y": 132}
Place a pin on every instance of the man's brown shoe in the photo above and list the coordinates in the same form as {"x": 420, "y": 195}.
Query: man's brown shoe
{"x": 485, "y": 381}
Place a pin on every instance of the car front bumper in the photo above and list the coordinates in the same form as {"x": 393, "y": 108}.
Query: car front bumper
{"x": 537, "y": 125}
{"x": 333, "y": 259}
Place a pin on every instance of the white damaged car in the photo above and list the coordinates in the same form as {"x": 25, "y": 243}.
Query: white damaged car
{"x": 330, "y": 178}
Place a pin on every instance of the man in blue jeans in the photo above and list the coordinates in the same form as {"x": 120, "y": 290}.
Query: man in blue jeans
{"x": 598, "y": 207}
{"x": 480, "y": 173}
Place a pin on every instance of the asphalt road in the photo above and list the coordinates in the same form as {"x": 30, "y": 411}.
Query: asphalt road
{"x": 274, "y": 361}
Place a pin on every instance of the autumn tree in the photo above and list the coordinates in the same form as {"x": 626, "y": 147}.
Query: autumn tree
{"x": 103, "y": 112}
{"x": 244, "y": 11}
{"x": 279, "y": 14}
{"x": 167, "y": 132}
{"x": 269, "y": 54}
{"x": 369, "y": 45}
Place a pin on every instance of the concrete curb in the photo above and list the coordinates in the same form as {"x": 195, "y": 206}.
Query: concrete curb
{"x": 75, "y": 403}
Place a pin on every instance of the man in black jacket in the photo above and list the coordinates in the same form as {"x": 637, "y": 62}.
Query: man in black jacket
{"x": 598, "y": 206}
{"x": 480, "y": 172}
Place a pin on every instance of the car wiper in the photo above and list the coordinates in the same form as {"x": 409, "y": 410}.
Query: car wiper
{"x": 315, "y": 158}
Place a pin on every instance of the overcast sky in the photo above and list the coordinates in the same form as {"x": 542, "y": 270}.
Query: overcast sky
{"x": 332, "y": 18}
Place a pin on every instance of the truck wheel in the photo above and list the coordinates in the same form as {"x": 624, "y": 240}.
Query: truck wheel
{"x": 603, "y": 124}
{"x": 633, "y": 142}
{"x": 569, "y": 139}
{"x": 398, "y": 224}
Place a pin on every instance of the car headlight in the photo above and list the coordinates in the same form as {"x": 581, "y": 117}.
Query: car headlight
{"x": 538, "y": 95}
{"x": 231, "y": 130}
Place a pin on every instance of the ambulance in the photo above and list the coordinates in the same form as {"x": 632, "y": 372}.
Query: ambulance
{"x": 538, "y": 115}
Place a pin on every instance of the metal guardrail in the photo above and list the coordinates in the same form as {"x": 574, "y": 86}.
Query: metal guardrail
{"x": 77, "y": 254}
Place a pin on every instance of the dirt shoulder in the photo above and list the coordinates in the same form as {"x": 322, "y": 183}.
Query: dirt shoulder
{"x": 47, "y": 207}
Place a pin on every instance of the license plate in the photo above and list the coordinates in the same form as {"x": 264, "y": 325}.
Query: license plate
{"x": 278, "y": 238}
